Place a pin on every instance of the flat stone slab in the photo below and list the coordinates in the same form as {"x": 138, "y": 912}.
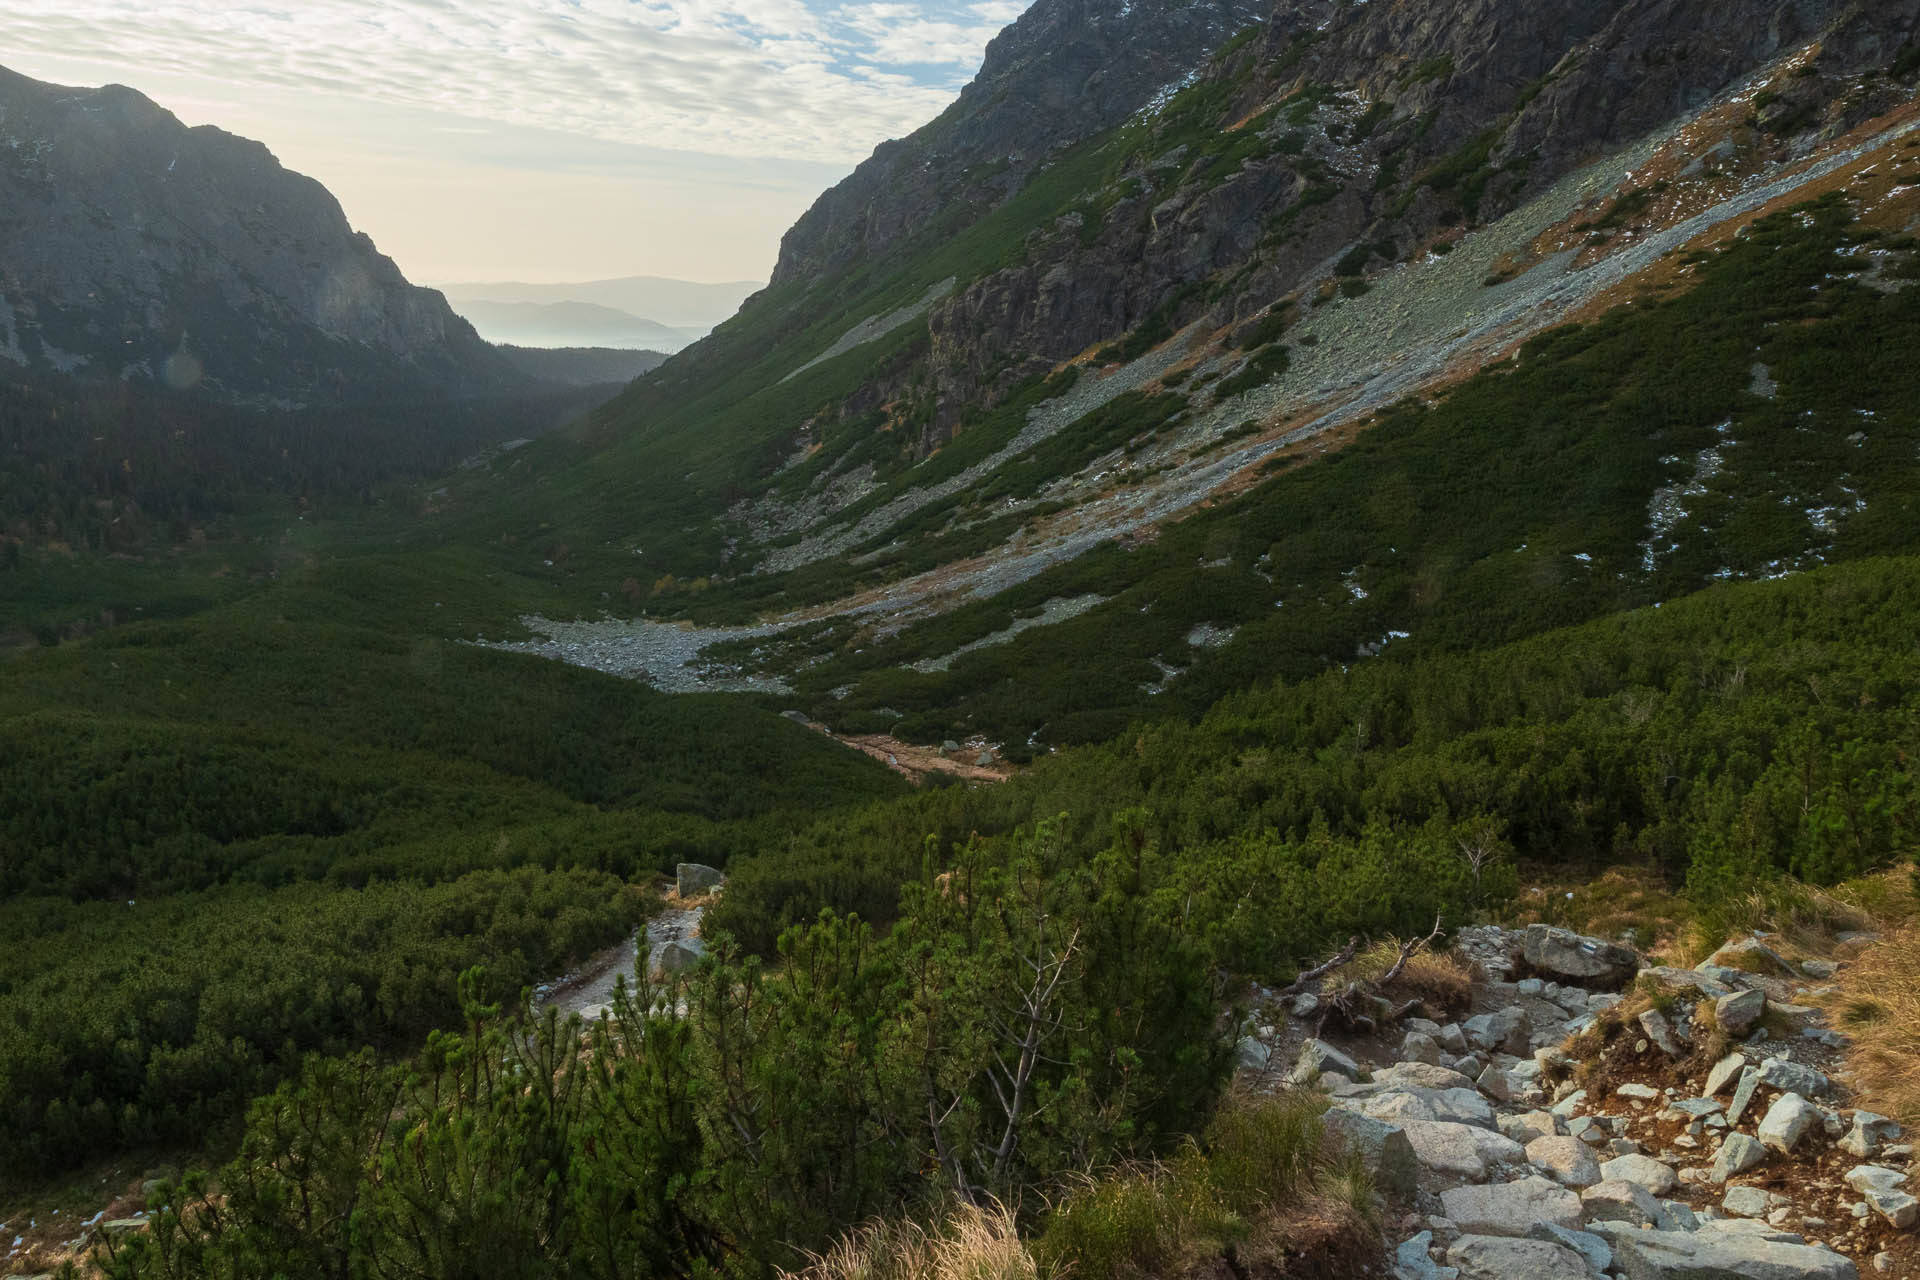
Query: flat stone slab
{"x": 1410, "y": 1102}
{"x": 1722, "y": 1255}
{"x": 1460, "y": 1150}
{"x": 1500, "y": 1258}
{"x": 1512, "y": 1208}
{"x": 1568, "y": 1161}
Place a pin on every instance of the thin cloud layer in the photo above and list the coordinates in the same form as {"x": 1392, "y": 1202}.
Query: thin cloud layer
{"x": 740, "y": 78}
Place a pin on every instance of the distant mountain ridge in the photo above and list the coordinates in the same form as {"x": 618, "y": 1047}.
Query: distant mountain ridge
{"x": 677, "y": 304}
{"x": 133, "y": 247}
{"x": 572, "y": 324}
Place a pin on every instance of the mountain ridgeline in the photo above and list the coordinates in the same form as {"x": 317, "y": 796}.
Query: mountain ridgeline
{"x": 138, "y": 248}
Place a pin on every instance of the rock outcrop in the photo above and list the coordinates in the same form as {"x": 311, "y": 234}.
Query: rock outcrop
{"x": 1550, "y": 1135}
{"x": 1063, "y": 71}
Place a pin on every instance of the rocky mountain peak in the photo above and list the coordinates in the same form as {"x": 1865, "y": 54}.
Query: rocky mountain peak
{"x": 1065, "y": 70}
{"x": 130, "y": 241}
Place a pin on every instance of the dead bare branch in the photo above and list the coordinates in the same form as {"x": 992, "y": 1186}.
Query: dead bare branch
{"x": 1343, "y": 956}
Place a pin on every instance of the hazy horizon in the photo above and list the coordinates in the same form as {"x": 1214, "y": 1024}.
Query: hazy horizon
{"x": 542, "y": 141}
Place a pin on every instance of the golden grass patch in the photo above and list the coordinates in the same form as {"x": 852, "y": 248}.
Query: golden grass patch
{"x": 1878, "y": 1004}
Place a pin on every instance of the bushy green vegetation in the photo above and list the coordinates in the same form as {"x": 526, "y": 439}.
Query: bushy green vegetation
{"x": 235, "y": 839}
{"x": 1744, "y": 732}
{"x": 1517, "y": 502}
{"x": 155, "y": 1022}
{"x": 1025, "y": 1015}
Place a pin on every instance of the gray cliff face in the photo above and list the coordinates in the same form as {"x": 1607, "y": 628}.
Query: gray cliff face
{"x": 133, "y": 246}
{"x": 1063, "y": 71}
{"x": 1537, "y": 86}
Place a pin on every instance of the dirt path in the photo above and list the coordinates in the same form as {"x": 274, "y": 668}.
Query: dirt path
{"x": 588, "y": 990}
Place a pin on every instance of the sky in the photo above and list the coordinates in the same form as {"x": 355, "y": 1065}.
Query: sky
{"x": 538, "y": 140}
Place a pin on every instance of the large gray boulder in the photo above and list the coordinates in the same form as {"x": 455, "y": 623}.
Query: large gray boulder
{"x": 1722, "y": 1255}
{"x": 1508, "y": 1031}
{"x": 1570, "y": 957}
{"x": 1597, "y": 1252}
{"x": 691, "y": 879}
{"x": 1511, "y": 1208}
{"x": 1749, "y": 955}
{"x": 676, "y": 956}
{"x": 1623, "y": 1201}
{"x": 1502, "y": 1258}
{"x": 1568, "y": 1161}
{"x": 1464, "y": 1151}
{"x": 1317, "y": 1057}
{"x": 1410, "y": 1102}
{"x": 1422, "y": 1074}
{"x": 1383, "y": 1148}
{"x": 1528, "y": 1125}
{"x": 1642, "y": 1171}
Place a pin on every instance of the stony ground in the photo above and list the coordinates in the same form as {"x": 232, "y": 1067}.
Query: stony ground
{"x": 1594, "y": 1115}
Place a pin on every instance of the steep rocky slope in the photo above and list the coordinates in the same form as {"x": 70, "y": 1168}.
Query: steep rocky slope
{"x": 1066, "y": 69}
{"x": 1254, "y": 381}
{"x": 134, "y": 247}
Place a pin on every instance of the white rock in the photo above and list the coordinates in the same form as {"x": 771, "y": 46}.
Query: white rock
{"x": 1869, "y": 1134}
{"x": 1597, "y": 1252}
{"x": 1884, "y": 1192}
{"x": 1528, "y": 1125}
{"x": 1792, "y": 1077}
{"x": 1788, "y": 1120}
{"x": 1424, "y": 1074}
{"x": 1411, "y": 1102}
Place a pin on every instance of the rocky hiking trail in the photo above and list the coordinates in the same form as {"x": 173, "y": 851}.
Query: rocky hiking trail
{"x": 1589, "y": 1113}
{"x": 671, "y": 942}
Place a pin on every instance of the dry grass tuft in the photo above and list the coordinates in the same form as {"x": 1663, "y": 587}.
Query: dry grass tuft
{"x": 1440, "y": 980}
{"x": 1878, "y": 1004}
{"x": 1805, "y": 917}
{"x": 1619, "y": 901}
{"x": 971, "y": 1244}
